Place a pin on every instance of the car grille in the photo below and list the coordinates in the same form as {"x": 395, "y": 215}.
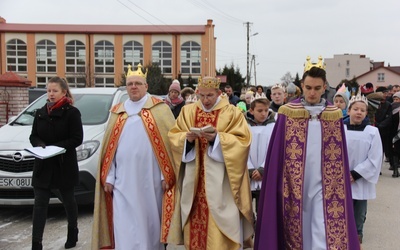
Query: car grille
{"x": 7, "y": 164}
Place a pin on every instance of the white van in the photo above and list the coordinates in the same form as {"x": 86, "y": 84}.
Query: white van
{"x": 16, "y": 165}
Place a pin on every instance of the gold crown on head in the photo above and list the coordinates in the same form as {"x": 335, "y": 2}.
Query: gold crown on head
{"x": 138, "y": 72}
{"x": 209, "y": 82}
{"x": 308, "y": 65}
{"x": 358, "y": 98}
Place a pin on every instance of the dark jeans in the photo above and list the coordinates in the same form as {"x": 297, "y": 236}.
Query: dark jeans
{"x": 360, "y": 214}
{"x": 42, "y": 198}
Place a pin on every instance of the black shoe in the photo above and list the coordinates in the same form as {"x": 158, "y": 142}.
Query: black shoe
{"x": 37, "y": 245}
{"x": 72, "y": 238}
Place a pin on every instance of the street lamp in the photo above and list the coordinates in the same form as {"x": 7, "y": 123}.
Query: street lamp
{"x": 248, "y": 57}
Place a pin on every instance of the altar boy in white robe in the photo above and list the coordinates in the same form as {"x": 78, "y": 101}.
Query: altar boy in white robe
{"x": 261, "y": 121}
{"x": 134, "y": 201}
{"x": 365, "y": 158}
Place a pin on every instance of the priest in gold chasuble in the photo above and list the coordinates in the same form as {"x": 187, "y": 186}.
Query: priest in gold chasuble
{"x": 213, "y": 202}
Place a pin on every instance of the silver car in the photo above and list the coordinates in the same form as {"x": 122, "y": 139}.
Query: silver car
{"x": 16, "y": 164}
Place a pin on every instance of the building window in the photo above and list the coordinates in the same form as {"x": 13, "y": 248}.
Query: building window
{"x": 76, "y": 81}
{"x": 162, "y": 55}
{"x": 41, "y": 81}
{"x": 75, "y": 63}
{"x": 381, "y": 77}
{"x": 104, "y": 57}
{"x": 347, "y": 63}
{"x": 46, "y": 56}
{"x": 133, "y": 53}
{"x": 347, "y": 72}
{"x": 190, "y": 58}
{"x": 16, "y": 56}
{"x": 104, "y": 82}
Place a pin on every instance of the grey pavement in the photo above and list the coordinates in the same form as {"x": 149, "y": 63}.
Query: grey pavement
{"x": 382, "y": 227}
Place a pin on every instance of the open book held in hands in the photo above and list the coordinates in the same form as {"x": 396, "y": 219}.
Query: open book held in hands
{"x": 207, "y": 129}
{"x": 47, "y": 152}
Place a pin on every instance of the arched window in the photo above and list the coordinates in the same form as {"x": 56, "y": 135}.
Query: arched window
{"x": 162, "y": 55}
{"x": 75, "y": 63}
{"x": 46, "y": 56}
{"x": 104, "y": 64}
{"x": 133, "y": 53}
{"x": 16, "y": 56}
{"x": 190, "y": 58}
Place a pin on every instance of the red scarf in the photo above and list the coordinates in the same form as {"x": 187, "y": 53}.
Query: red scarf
{"x": 58, "y": 104}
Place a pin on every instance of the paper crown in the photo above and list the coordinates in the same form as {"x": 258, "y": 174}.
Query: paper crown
{"x": 209, "y": 82}
{"x": 358, "y": 98}
{"x": 138, "y": 72}
{"x": 258, "y": 96}
{"x": 191, "y": 99}
{"x": 345, "y": 90}
{"x": 308, "y": 65}
{"x": 280, "y": 86}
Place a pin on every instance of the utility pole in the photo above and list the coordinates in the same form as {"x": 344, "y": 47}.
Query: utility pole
{"x": 248, "y": 54}
{"x": 255, "y": 73}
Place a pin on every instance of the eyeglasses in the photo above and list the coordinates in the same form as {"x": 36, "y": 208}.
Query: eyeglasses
{"x": 136, "y": 84}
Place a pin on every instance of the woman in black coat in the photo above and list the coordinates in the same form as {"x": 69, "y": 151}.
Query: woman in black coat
{"x": 57, "y": 123}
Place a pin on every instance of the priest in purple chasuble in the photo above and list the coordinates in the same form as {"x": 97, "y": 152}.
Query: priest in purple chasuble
{"x": 213, "y": 205}
{"x": 135, "y": 181}
{"x": 305, "y": 200}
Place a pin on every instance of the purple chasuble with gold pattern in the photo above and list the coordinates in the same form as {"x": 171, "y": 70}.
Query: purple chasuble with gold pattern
{"x": 280, "y": 211}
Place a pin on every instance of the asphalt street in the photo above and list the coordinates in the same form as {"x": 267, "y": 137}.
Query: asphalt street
{"x": 381, "y": 230}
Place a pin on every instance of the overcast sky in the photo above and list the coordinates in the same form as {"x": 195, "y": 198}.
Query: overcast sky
{"x": 288, "y": 30}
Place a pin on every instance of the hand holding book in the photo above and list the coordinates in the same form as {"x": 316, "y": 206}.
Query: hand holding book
{"x": 206, "y": 129}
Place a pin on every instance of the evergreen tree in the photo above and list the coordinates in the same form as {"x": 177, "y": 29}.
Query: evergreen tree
{"x": 158, "y": 84}
{"x": 233, "y": 77}
{"x": 191, "y": 82}
{"x": 297, "y": 81}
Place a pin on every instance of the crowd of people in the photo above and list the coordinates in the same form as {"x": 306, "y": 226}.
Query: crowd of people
{"x": 288, "y": 169}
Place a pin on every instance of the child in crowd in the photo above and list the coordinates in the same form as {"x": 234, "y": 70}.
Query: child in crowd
{"x": 261, "y": 121}
{"x": 341, "y": 99}
{"x": 278, "y": 96}
{"x": 365, "y": 158}
{"x": 174, "y": 98}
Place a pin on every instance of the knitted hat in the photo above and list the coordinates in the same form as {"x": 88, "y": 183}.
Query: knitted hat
{"x": 291, "y": 88}
{"x": 175, "y": 85}
{"x": 367, "y": 88}
{"x": 344, "y": 96}
{"x": 397, "y": 94}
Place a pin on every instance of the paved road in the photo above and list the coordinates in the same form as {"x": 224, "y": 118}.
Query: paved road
{"x": 381, "y": 231}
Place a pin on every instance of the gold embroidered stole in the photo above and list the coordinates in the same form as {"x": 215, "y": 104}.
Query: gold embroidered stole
{"x": 166, "y": 168}
{"x": 106, "y": 164}
{"x": 333, "y": 177}
{"x": 199, "y": 214}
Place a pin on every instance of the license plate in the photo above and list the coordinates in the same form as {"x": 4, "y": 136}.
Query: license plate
{"x": 15, "y": 182}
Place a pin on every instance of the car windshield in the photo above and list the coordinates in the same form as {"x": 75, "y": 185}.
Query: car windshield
{"x": 94, "y": 109}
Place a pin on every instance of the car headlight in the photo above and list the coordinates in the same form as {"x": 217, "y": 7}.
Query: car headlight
{"x": 87, "y": 149}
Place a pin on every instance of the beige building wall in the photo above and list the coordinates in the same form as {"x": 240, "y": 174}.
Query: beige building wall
{"x": 390, "y": 78}
{"x": 346, "y": 66}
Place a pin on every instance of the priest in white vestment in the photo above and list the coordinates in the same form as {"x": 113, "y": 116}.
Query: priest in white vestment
{"x": 132, "y": 181}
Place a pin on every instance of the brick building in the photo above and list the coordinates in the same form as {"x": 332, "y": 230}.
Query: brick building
{"x": 98, "y": 55}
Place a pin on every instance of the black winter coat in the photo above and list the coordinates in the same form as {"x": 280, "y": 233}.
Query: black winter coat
{"x": 62, "y": 128}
